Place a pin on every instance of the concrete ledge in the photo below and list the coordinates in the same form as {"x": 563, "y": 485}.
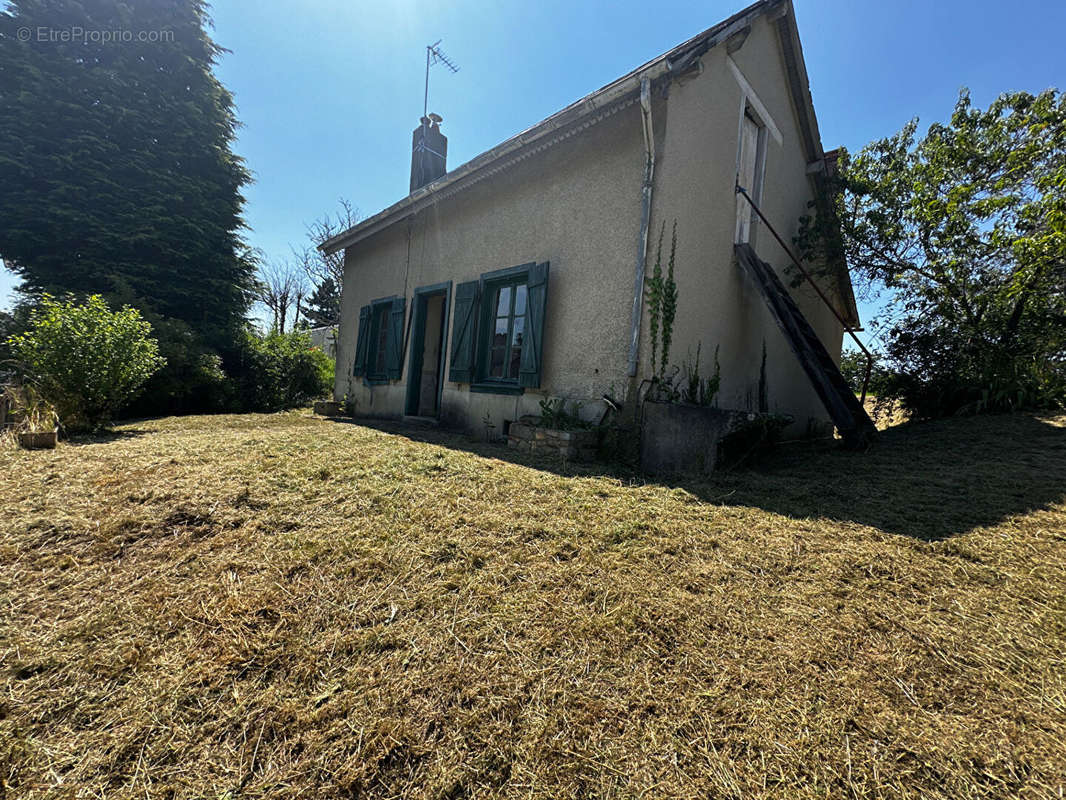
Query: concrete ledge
{"x": 677, "y": 439}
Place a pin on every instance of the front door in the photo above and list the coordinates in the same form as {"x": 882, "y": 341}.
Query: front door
{"x": 426, "y": 371}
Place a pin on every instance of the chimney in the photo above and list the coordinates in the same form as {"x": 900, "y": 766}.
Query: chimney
{"x": 429, "y": 152}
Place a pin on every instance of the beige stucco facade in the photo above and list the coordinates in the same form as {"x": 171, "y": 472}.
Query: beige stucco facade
{"x": 577, "y": 205}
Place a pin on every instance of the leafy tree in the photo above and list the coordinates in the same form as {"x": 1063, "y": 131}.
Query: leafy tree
{"x": 966, "y": 230}
{"x": 853, "y": 368}
{"x": 323, "y": 305}
{"x": 116, "y": 171}
{"x": 8, "y": 328}
{"x": 86, "y": 360}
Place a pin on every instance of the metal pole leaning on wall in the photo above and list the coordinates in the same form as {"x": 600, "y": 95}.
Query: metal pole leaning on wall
{"x": 869, "y": 357}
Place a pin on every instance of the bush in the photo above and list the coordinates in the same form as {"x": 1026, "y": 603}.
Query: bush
{"x": 86, "y": 360}
{"x": 278, "y": 371}
{"x": 193, "y": 380}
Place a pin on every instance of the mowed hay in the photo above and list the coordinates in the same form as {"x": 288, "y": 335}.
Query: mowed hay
{"x": 283, "y": 606}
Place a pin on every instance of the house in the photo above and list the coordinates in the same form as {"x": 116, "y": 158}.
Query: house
{"x": 325, "y": 339}
{"x": 521, "y": 274}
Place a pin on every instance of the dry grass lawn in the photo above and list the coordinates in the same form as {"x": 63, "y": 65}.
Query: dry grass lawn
{"x": 283, "y": 606}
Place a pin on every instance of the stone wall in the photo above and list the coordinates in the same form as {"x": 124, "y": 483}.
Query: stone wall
{"x": 568, "y": 445}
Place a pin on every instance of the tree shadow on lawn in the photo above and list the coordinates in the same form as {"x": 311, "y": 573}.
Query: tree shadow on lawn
{"x": 104, "y": 436}
{"x": 928, "y": 480}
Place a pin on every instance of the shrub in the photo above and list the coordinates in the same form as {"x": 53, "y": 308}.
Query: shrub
{"x": 86, "y": 360}
{"x": 278, "y": 371}
{"x": 193, "y": 380}
{"x": 698, "y": 390}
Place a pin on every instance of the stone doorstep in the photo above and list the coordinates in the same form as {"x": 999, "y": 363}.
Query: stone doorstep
{"x": 328, "y": 408}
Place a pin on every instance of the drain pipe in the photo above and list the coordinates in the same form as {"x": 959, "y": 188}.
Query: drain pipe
{"x": 645, "y": 217}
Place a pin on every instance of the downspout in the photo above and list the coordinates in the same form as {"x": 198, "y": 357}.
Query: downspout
{"x": 645, "y": 217}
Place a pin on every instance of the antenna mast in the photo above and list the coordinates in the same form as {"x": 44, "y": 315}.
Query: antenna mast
{"x": 434, "y": 55}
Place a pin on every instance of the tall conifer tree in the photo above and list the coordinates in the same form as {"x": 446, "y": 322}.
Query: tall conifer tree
{"x": 116, "y": 169}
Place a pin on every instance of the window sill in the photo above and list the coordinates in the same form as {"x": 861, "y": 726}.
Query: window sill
{"x": 376, "y": 381}
{"x": 497, "y": 388}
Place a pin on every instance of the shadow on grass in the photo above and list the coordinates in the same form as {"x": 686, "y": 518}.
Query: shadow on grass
{"x": 928, "y": 480}
{"x": 102, "y": 437}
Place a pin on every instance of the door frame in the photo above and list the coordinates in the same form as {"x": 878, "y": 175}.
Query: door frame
{"x": 418, "y": 337}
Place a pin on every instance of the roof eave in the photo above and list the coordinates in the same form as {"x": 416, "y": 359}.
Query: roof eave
{"x": 603, "y": 100}
{"x": 799, "y": 88}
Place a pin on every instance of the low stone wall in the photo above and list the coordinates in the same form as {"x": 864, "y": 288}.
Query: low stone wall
{"x": 680, "y": 439}
{"x": 569, "y": 445}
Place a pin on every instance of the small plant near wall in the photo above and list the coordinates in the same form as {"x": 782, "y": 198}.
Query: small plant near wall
{"x": 553, "y": 414}
{"x": 698, "y": 390}
{"x": 686, "y": 384}
{"x": 557, "y": 432}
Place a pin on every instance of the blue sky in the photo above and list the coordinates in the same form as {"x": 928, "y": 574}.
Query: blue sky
{"x": 329, "y": 91}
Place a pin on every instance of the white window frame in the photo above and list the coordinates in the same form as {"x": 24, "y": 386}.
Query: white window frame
{"x": 755, "y": 190}
{"x": 753, "y": 107}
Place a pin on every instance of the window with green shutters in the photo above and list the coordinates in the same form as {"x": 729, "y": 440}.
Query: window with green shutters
{"x": 507, "y": 324}
{"x": 498, "y": 329}
{"x": 379, "y": 348}
{"x": 464, "y": 332}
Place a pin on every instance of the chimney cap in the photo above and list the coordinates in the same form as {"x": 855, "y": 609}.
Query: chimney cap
{"x": 436, "y": 119}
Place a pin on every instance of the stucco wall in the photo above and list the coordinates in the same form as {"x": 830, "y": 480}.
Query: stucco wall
{"x": 717, "y": 307}
{"x": 577, "y": 205}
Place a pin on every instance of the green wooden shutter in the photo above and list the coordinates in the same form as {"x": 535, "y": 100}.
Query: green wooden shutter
{"x": 464, "y": 332}
{"x": 394, "y": 339}
{"x": 362, "y": 342}
{"x": 533, "y": 341}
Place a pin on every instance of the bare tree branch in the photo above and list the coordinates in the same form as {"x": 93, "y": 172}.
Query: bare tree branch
{"x": 282, "y": 285}
{"x": 317, "y": 265}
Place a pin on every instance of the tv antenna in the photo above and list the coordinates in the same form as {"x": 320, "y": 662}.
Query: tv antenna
{"x": 434, "y": 55}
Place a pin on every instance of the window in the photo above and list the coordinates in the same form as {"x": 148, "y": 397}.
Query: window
{"x": 751, "y": 162}
{"x": 507, "y": 307}
{"x": 379, "y": 346}
{"x": 498, "y": 330}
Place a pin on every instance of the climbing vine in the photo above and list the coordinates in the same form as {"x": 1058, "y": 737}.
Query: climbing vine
{"x": 655, "y": 299}
{"x": 662, "y": 304}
